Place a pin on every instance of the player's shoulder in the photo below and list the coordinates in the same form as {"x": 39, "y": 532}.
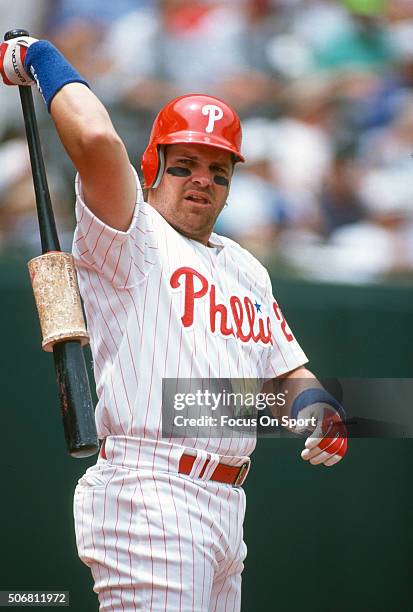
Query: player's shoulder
{"x": 244, "y": 259}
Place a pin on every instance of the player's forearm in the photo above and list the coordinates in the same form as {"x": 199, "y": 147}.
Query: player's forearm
{"x": 312, "y": 411}
{"x": 290, "y": 386}
{"x": 97, "y": 152}
{"x": 84, "y": 126}
{"x": 293, "y": 384}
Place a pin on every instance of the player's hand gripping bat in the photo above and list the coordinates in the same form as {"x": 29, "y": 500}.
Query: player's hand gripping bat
{"x": 58, "y": 302}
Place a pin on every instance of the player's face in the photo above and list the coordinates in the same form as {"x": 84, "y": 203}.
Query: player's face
{"x": 193, "y": 189}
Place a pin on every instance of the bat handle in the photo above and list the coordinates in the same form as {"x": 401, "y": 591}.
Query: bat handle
{"x": 47, "y": 225}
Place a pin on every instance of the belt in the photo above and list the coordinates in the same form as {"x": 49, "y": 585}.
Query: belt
{"x": 229, "y": 474}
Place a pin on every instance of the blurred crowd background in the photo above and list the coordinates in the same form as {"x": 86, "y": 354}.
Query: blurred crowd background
{"x": 325, "y": 92}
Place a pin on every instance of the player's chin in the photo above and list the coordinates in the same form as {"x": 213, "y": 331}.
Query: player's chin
{"x": 199, "y": 222}
{"x": 200, "y": 216}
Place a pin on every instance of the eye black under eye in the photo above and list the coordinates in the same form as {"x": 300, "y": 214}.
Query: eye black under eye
{"x": 221, "y": 180}
{"x": 179, "y": 171}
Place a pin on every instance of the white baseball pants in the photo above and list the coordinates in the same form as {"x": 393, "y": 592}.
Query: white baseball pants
{"x": 155, "y": 539}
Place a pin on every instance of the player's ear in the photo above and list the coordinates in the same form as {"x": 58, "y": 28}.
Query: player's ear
{"x": 234, "y": 161}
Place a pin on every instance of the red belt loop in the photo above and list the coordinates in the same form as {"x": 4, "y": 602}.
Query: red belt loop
{"x": 201, "y": 473}
{"x": 228, "y": 474}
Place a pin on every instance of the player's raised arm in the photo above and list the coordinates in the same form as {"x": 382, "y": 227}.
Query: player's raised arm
{"x": 83, "y": 125}
{"x": 98, "y": 153}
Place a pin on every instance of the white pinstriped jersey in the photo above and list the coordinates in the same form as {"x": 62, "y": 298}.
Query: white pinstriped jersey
{"x": 160, "y": 305}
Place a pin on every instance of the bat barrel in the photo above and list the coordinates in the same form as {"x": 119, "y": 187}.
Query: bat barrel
{"x": 75, "y": 399}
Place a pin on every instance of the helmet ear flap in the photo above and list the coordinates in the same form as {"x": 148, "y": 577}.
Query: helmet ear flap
{"x": 161, "y": 167}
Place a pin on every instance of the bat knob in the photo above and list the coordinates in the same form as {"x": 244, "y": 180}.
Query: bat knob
{"x": 15, "y": 33}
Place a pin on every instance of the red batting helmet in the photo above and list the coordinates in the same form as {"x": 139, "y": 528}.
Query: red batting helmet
{"x": 194, "y": 118}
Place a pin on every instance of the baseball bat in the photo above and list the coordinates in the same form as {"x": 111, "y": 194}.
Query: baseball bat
{"x": 72, "y": 379}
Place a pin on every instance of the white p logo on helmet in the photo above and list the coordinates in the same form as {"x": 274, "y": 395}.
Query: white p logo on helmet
{"x": 215, "y": 114}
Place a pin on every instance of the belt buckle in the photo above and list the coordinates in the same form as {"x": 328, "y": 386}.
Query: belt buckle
{"x": 242, "y": 474}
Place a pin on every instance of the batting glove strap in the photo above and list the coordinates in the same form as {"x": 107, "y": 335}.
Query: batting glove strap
{"x": 316, "y": 396}
{"x": 50, "y": 69}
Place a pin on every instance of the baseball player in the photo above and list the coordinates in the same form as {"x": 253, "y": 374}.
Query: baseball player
{"x": 159, "y": 520}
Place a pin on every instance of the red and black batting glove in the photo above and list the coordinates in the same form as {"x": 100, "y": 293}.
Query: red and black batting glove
{"x": 12, "y": 59}
{"x": 327, "y": 443}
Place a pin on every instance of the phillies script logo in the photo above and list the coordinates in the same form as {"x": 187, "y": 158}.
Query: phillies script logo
{"x": 239, "y": 320}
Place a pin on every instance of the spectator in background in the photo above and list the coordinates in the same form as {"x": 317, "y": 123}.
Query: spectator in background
{"x": 381, "y": 245}
{"x": 65, "y": 12}
{"x": 18, "y": 219}
{"x": 339, "y": 197}
{"x": 19, "y": 229}
{"x": 178, "y": 46}
{"x": 387, "y": 98}
{"x": 387, "y": 185}
{"x": 214, "y": 47}
{"x": 80, "y": 28}
{"x": 364, "y": 45}
{"x": 301, "y": 148}
{"x": 379, "y": 182}
{"x": 28, "y": 14}
{"x": 257, "y": 209}
{"x": 319, "y": 22}
{"x": 254, "y": 86}
{"x": 323, "y": 86}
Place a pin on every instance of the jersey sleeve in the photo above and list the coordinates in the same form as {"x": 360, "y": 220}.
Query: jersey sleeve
{"x": 286, "y": 354}
{"x": 123, "y": 258}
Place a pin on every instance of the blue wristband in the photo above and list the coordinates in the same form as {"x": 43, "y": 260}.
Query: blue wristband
{"x": 50, "y": 69}
{"x": 316, "y": 396}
